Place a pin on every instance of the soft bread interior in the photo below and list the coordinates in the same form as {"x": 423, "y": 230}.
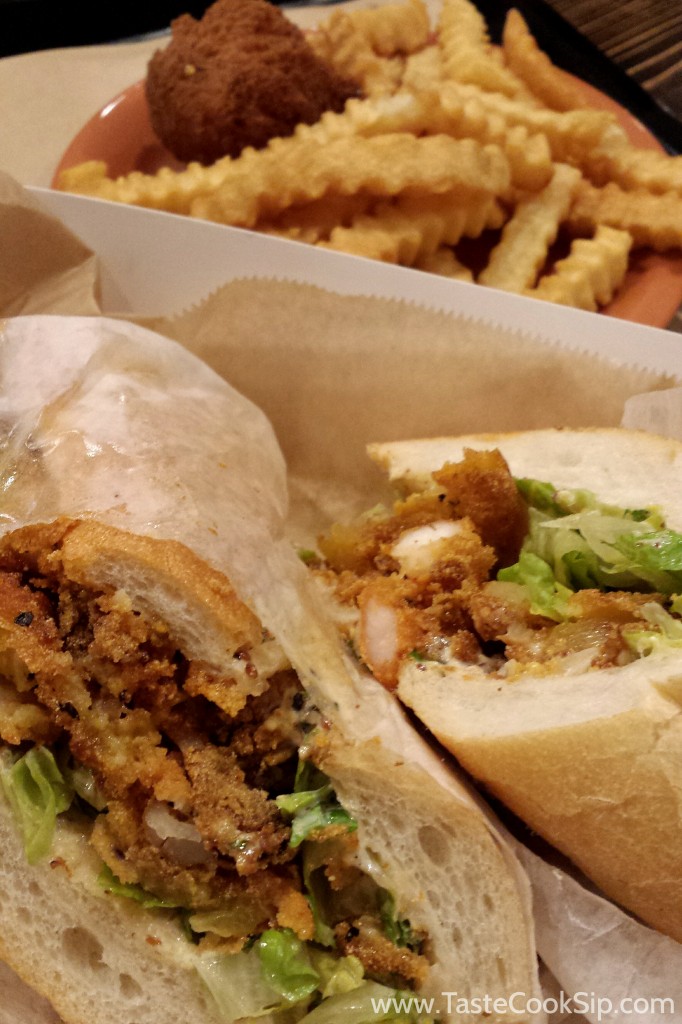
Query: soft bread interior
{"x": 443, "y": 856}
{"x": 93, "y": 957}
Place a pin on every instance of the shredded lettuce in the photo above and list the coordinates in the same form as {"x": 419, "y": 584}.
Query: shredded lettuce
{"x": 286, "y": 965}
{"x": 82, "y": 781}
{"x": 37, "y": 792}
{"x": 278, "y": 972}
{"x": 314, "y": 888}
{"x": 585, "y": 543}
{"x": 547, "y": 596}
{"x": 369, "y": 1003}
{"x": 338, "y": 975}
{"x": 242, "y": 917}
{"x": 238, "y": 986}
{"x": 545, "y": 497}
{"x": 666, "y": 631}
{"x": 110, "y": 883}
{"x": 397, "y": 929}
{"x": 313, "y": 805}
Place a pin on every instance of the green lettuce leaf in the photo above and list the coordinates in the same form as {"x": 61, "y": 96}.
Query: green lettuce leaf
{"x": 314, "y": 889}
{"x": 547, "y": 596}
{"x": 110, "y": 883}
{"x": 37, "y": 792}
{"x": 338, "y": 974}
{"x": 312, "y": 809}
{"x": 369, "y": 1003}
{"x": 397, "y": 929}
{"x": 237, "y": 985}
{"x": 286, "y": 965}
{"x": 589, "y": 544}
{"x": 666, "y": 631}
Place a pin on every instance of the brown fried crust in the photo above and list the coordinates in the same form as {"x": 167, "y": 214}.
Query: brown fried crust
{"x": 240, "y": 76}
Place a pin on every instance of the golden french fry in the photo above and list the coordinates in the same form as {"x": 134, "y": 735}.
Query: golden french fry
{"x": 444, "y": 121}
{"x": 444, "y": 262}
{"x": 591, "y": 274}
{"x": 423, "y": 71}
{"x": 383, "y": 165}
{"x": 634, "y": 168}
{"x": 411, "y": 229}
{"x": 652, "y": 220}
{"x": 524, "y": 57}
{"x": 168, "y": 190}
{"x": 175, "y": 191}
{"x": 571, "y": 134}
{"x": 467, "y": 53}
{"x": 460, "y": 113}
{"x": 342, "y": 42}
{"x": 391, "y": 28}
{"x": 526, "y": 237}
{"x": 313, "y": 222}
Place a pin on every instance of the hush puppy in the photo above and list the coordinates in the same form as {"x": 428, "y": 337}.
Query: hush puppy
{"x": 238, "y": 77}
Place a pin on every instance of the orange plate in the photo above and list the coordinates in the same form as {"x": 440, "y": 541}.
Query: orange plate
{"x": 122, "y": 136}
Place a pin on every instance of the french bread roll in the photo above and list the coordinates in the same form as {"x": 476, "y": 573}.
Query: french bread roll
{"x": 591, "y": 757}
{"x": 151, "y": 615}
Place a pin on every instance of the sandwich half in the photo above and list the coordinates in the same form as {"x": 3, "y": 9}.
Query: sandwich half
{"x": 522, "y": 597}
{"x": 207, "y": 813}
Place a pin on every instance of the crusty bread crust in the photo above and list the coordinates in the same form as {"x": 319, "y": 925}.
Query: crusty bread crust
{"x": 604, "y": 790}
{"x": 592, "y": 762}
{"x": 160, "y": 577}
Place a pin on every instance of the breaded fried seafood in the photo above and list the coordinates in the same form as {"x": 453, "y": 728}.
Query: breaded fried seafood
{"x": 238, "y": 77}
{"x": 206, "y": 813}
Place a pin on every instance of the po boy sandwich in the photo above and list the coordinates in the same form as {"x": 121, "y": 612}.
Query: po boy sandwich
{"x": 207, "y": 814}
{"x": 523, "y": 597}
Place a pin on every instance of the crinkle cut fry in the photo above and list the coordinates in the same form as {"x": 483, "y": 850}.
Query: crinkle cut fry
{"x": 443, "y": 112}
{"x": 571, "y": 134}
{"x": 391, "y": 28}
{"x": 444, "y": 263}
{"x": 524, "y": 57}
{"x": 526, "y": 237}
{"x": 411, "y": 229}
{"x": 467, "y": 54}
{"x": 313, "y": 222}
{"x": 591, "y": 274}
{"x": 385, "y": 166}
{"x": 460, "y": 113}
{"x": 423, "y": 70}
{"x": 343, "y": 44}
{"x": 652, "y": 220}
{"x": 175, "y": 191}
{"x": 168, "y": 190}
{"x": 634, "y": 168}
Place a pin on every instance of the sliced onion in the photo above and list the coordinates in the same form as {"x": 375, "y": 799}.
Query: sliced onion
{"x": 180, "y": 840}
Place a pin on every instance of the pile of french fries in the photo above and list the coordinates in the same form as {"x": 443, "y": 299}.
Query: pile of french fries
{"x": 453, "y": 139}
